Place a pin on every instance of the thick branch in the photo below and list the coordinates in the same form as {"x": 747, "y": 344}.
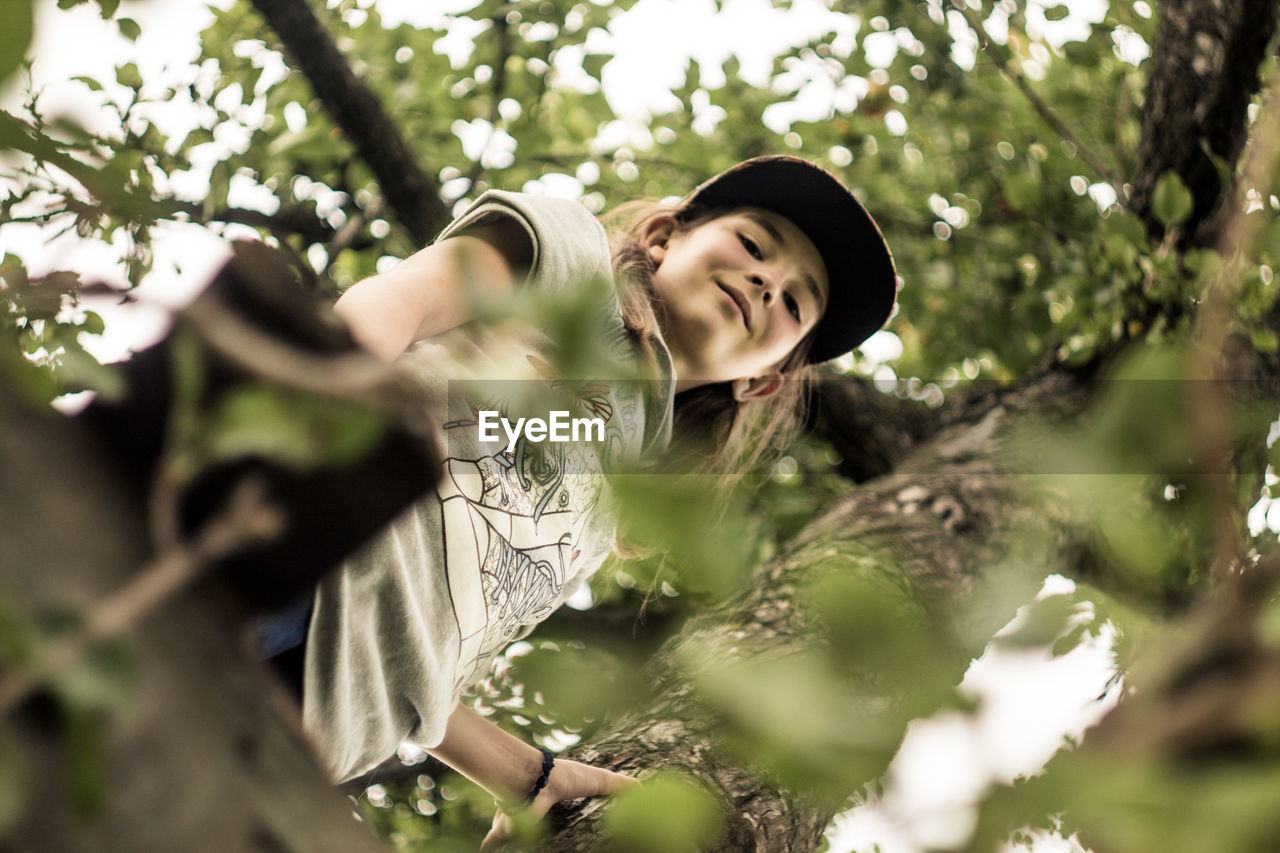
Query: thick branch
{"x": 871, "y": 431}
{"x": 353, "y": 107}
{"x": 1202, "y": 74}
{"x": 942, "y": 515}
{"x": 246, "y": 520}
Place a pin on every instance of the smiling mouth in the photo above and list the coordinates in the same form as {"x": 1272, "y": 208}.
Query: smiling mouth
{"x": 744, "y": 307}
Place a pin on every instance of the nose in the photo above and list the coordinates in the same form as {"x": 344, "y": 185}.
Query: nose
{"x": 763, "y": 282}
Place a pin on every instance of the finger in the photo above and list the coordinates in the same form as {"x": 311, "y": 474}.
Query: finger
{"x": 613, "y": 783}
{"x": 498, "y": 833}
{"x": 585, "y": 780}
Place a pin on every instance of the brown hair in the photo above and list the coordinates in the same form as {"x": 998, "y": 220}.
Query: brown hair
{"x": 712, "y": 431}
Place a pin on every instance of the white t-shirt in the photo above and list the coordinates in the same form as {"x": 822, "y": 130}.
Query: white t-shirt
{"x": 416, "y": 616}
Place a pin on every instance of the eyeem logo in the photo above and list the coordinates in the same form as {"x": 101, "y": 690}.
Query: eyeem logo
{"x": 559, "y": 427}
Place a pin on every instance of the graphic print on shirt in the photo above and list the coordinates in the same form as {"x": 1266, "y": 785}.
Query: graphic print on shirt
{"x": 517, "y": 516}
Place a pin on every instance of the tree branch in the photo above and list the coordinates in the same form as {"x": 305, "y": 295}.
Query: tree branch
{"x": 871, "y": 431}
{"x": 353, "y": 107}
{"x": 1203, "y": 72}
{"x": 310, "y": 228}
{"x": 348, "y": 236}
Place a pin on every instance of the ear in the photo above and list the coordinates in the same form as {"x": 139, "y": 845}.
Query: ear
{"x": 756, "y": 387}
{"x": 656, "y": 235}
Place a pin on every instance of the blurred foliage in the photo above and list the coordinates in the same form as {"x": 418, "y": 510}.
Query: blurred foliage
{"x": 1010, "y": 248}
{"x": 43, "y": 319}
{"x": 691, "y": 817}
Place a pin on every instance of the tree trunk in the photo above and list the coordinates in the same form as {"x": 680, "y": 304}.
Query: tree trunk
{"x": 185, "y": 747}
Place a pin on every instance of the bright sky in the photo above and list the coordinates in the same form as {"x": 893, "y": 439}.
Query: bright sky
{"x": 945, "y": 763}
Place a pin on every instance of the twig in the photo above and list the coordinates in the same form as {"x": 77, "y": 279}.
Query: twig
{"x": 503, "y": 29}
{"x": 286, "y": 221}
{"x": 1019, "y": 79}
{"x": 351, "y": 230}
{"x": 248, "y": 519}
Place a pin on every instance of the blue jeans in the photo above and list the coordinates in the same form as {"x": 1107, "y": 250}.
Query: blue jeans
{"x": 284, "y": 629}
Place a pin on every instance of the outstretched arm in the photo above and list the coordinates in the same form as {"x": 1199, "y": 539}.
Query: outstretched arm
{"x": 507, "y": 767}
{"x": 434, "y": 290}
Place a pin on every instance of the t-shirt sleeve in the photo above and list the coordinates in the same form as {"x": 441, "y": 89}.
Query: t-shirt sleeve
{"x": 570, "y": 247}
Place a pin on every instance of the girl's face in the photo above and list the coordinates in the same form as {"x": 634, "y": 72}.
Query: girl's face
{"x": 736, "y": 294}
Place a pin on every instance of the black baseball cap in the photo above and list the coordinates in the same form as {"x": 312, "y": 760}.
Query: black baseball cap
{"x": 863, "y": 282}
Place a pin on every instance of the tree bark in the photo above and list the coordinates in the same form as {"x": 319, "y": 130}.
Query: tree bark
{"x": 185, "y": 749}
{"x": 1201, "y": 76}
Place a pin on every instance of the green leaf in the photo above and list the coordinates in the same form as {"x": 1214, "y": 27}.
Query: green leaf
{"x": 1068, "y": 641}
{"x": 1040, "y": 623}
{"x": 86, "y": 746}
{"x": 92, "y": 84}
{"x": 1171, "y": 201}
{"x": 1079, "y": 53}
{"x": 93, "y": 323}
{"x": 79, "y": 371}
{"x": 129, "y": 28}
{"x": 295, "y": 430}
{"x": 667, "y": 813}
{"x": 103, "y": 679}
{"x": 108, "y": 8}
{"x": 219, "y": 186}
{"x": 127, "y": 75}
{"x": 1056, "y": 13}
{"x": 1021, "y": 190}
{"x": 593, "y": 63}
{"x": 15, "y": 36}
{"x": 1129, "y": 227}
{"x": 579, "y": 685}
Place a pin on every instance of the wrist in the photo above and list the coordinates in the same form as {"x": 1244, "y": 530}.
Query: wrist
{"x": 504, "y": 765}
{"x": 542, "y": 775}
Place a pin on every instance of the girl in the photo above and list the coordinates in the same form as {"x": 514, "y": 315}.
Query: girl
{"x": 761, "y": 271}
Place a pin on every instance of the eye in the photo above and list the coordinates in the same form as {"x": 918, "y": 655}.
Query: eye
{"x": 751, "y": 247}
{"x": 793, "y": 307}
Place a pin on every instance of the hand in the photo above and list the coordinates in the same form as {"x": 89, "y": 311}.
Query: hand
{"x": 569, "y": 780}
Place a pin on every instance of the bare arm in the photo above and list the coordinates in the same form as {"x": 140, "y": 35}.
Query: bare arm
{"x": 434, "y": 290}
{"x": 507, "y": 767}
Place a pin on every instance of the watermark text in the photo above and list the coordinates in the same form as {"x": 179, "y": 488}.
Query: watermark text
{"x": 558, "y": 427}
